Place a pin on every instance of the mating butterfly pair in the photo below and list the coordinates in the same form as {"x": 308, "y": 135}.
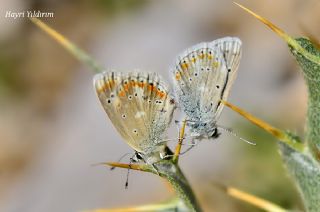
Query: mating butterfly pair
{"x": 140, "y": 106}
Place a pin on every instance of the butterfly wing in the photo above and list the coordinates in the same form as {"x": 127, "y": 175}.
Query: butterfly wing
{"x": 203, "y": 75}
{"x": 138, "y": 105}
{"x": 231, "y": 50}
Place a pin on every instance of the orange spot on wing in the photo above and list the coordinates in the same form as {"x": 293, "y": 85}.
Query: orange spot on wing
{"x": 216, "y": 64}
{"x": 133, "y": 83}
{"x": 141, "y": 84}
{"x": 122, "y": 93}
{"x": 126, "y": 87}
{"x": 184, "y": 66}
{"x": 151, "y": 88}
{"x": 178, "y": 76}
{"x": 161, "y": 94}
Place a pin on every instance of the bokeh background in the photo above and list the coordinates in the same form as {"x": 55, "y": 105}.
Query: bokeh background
{"x": 52, "y": 127}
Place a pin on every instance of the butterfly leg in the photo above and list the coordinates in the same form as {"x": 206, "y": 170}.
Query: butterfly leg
{"x": 155, "y": 169}
{"x": 128, "y": 172}
{"x": 134, "y": 159}
{"x": 112, "y": 168}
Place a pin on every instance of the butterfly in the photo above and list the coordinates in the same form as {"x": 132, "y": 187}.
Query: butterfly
{"x": 140, "y": 108}
{"x": 202, "y": 76}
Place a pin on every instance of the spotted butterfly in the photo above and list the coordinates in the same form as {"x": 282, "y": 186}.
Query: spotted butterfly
{"x": 140, "y": 108}
{"x": 202, "y": 76}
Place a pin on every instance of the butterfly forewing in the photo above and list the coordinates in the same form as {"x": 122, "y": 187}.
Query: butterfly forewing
{"x": 231, "y": 51}
{"x": 139, "y": 106}
{"x": 230, "y": 47}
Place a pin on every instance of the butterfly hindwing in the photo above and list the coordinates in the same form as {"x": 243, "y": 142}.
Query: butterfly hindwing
{"x": 139, "y": 106}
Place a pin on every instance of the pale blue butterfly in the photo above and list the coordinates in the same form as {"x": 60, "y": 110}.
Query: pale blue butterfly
{"x": 203, "y": 75}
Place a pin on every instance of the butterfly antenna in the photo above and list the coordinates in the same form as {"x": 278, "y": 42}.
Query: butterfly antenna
{"x": 187, "y": 150}
{"x": 231, "y": 132}
{"x": 112, "y": 168}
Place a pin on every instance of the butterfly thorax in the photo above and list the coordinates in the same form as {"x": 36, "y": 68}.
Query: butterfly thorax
{"x": 156, "y": 155}
{"x": 203, "y": 129}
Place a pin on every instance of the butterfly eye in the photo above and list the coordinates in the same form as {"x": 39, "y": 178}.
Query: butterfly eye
{"x": 190, "y": 79}
{"x": 130, "y": 97}
{"x": 135, "y": 131}
{"x": 112, "y": 95}
{"x": 135, "y": 94}
{"x": 196, "y": 74}
{"x": 108, "y": 101}
{"x": 217, "y": 86}
{"x": 208, "y": 69}
{"x": 125, "y": 82}
{"x": 124, "y": 116}
{"x": 202, "y": 69}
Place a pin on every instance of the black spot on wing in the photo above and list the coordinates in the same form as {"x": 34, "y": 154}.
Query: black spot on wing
{"x": 223, "y": 90}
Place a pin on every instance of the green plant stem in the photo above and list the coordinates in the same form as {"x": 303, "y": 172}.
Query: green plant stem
{"x": 311, "y": 71}
{"x": 305, "y": 172}
{"x": 172, "y": 172}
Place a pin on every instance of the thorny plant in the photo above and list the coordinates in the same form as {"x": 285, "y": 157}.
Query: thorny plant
{"x": 301, "y": 158}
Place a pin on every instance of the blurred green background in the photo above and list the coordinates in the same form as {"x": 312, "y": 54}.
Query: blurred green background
{"x": 52, "y": 127}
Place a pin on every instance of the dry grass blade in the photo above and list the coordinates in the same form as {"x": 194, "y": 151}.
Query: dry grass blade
{"x": 68, "y": 45}
{"x": 291, "y": 41}
{"x": 254, "y": 200}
